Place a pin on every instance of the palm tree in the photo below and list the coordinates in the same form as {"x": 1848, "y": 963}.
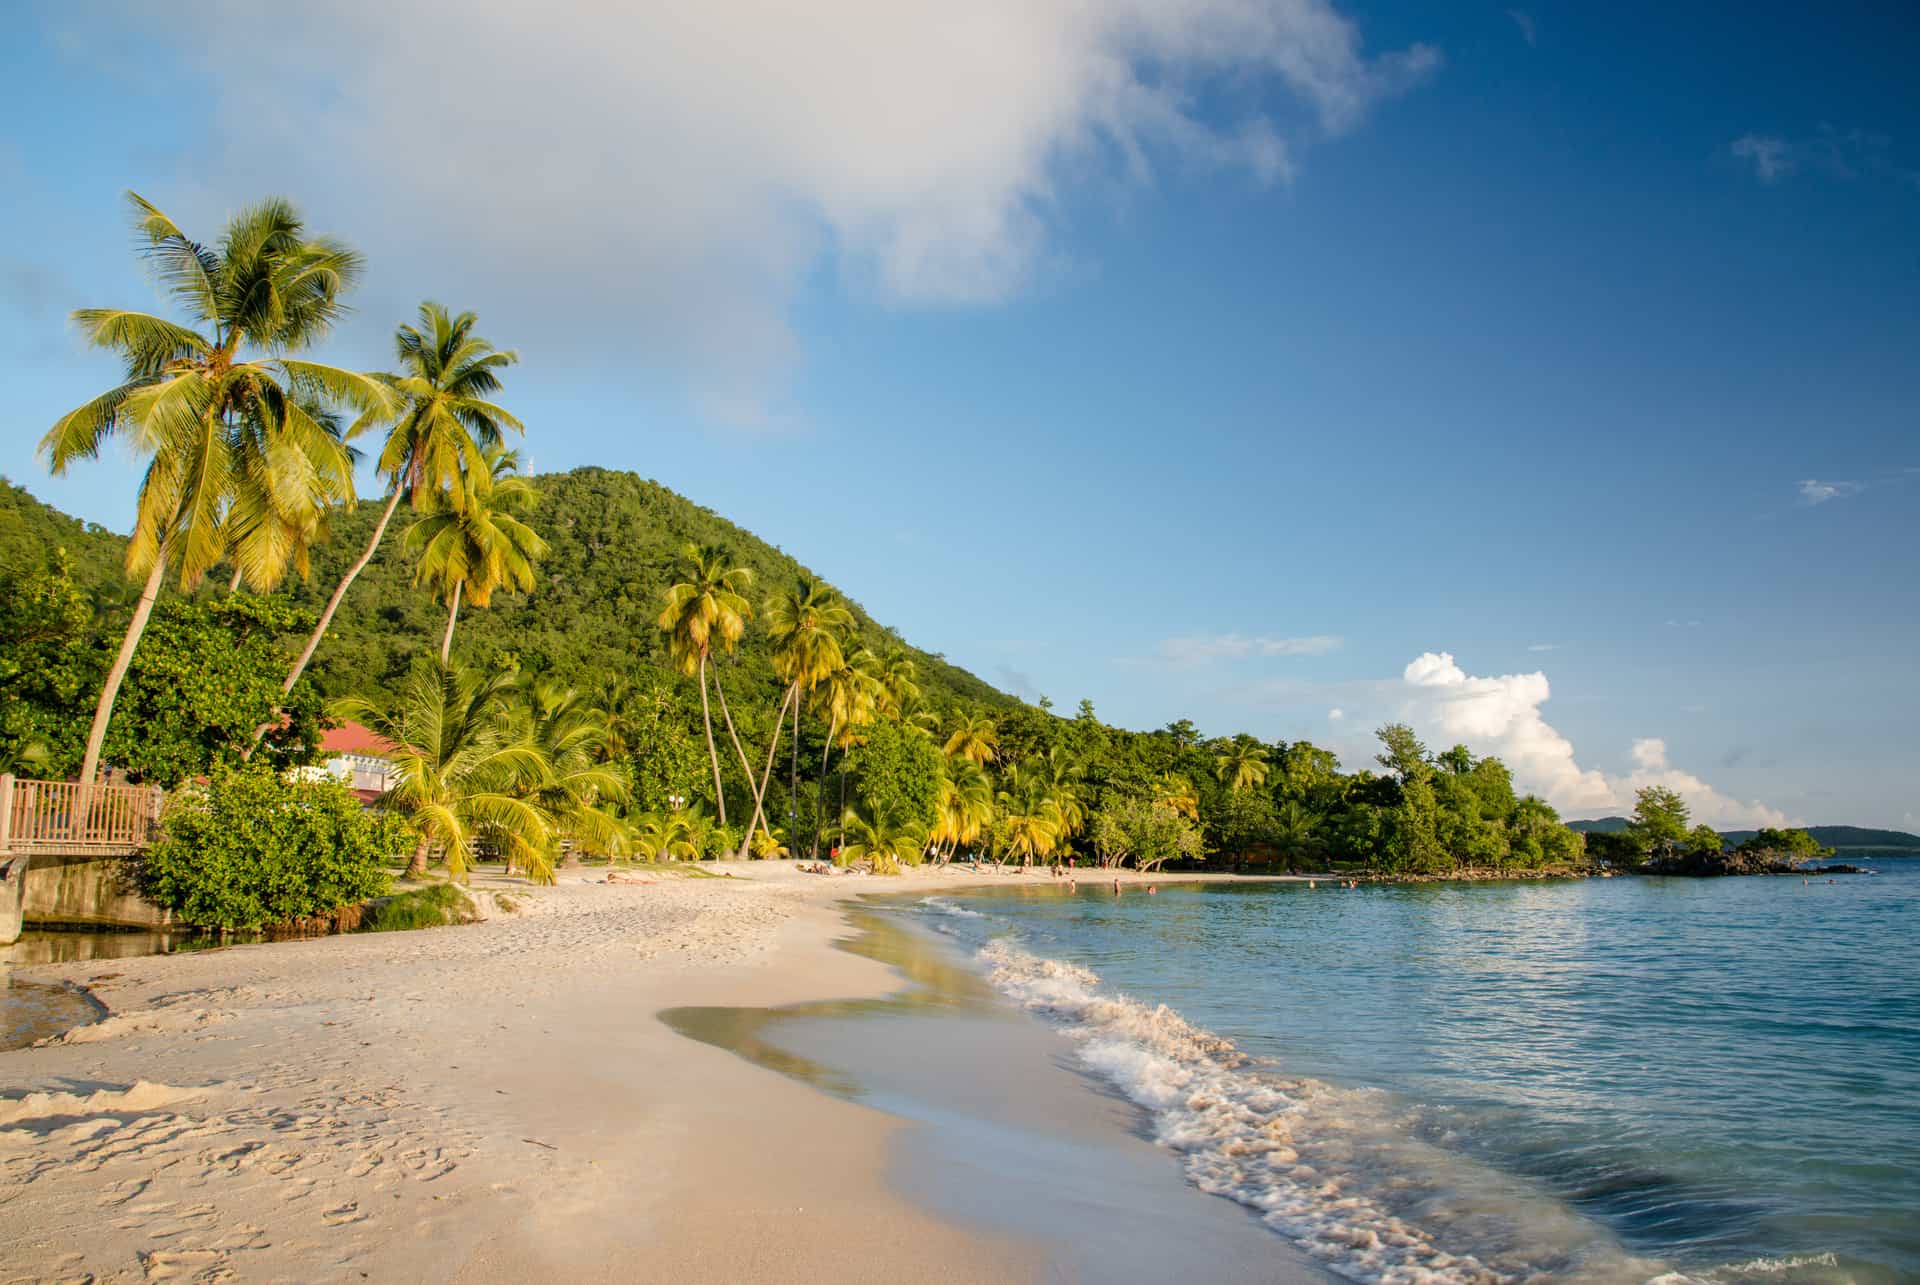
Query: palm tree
{"x": 976, "y": 739}
{"x": 1065, "y": 793}
{"x": 1032, "y": 818}
{"x": 1177, "y": 793}
{"x": 581, "y": 786}
{"x": 663, "y": 837}
{"x": 848, "y": 698}
{"x": 280, "y": 507}
{"x": 465, "y": 769}
{"x": 203, "y": 413}
{"x": 447, "y": 375}
{"x": 805, "y": 623}
{"x": 964, "y": 806}
{"x": 1242, "y": 764}
{"x": 899, "y": 691}
{"x": 882, "y": 839}
{"x": 709, "y": 607}
{"x": 478, "y": 546}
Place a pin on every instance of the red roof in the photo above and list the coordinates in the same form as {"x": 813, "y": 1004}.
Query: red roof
{"x": 352, "y": 738}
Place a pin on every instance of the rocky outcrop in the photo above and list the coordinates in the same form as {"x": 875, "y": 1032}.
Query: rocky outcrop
{"x": 1708, "y": 865}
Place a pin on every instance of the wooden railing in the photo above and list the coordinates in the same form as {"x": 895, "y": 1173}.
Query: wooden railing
{"x": 65, "y": 816}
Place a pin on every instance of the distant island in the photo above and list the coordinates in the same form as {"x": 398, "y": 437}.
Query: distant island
{"x": 1854, "y": 840}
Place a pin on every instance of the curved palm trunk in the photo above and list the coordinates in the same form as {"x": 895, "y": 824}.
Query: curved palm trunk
{"x": 417, "y": 867}
{"x": 326, "y": 616}
{"x": 453, "y": 614}
{"x": 766, "y": 776}
{"x": 340, "y": 593}
{"x": 110, "y": 691}
{"x": 746, "y": 768}
{"x": 713, "y": 755}
{"x": 820, "y": 794}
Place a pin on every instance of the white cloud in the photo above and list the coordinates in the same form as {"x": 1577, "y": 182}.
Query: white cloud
{"x": 1201, "y": 649}
{"x": 656, "y": 180}
{"x": 1543, "y": 646}
{"x": 1813, "y": 491}
{"x": 1501, "y": 715}
{"x": 1336, "y": 715}
{"x": 1771, "y": 157}
{"x": 1524, "y": 20}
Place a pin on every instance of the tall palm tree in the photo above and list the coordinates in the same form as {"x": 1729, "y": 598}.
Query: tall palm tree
{"x": 1065, "y": 792}
{"x": 447, "y": 374}
{"x": 1242, "y": 765}
{"x": 464, "y": 768}
{"x": 478, "y": 546}
{"x": 848, "y": 698}
{"x": 1032, "y": 818}
{"x": 899, "y": 689}
{"x": 976, "y": 739}
{"x": 707, "y": 609}
{"x": 805, "y": 623}
{"x": 219, "y": 398}
{"x": 280, "y": 507}
{"x": 964, "y": 806}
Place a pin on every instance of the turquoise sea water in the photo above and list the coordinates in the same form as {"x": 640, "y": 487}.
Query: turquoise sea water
{"x": 1624, "y": 1079}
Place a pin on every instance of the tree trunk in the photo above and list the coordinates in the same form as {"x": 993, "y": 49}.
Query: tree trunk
{"x": 103, "y": 711}
{"x": 793, "y": 787}
{"x": 766, "y": 776}
{"x": 453, "y": 614}
{"x": 713, "y": 755}
{"x": 339, "y": 593}
{"x": 746, "y": 768}
{"x": 233, "y": 585}
{"x": 820, "y": 794}
{"x": 417, "y": 868}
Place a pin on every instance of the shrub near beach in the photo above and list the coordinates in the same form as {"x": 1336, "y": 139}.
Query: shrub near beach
{"x": 253, "y": 850}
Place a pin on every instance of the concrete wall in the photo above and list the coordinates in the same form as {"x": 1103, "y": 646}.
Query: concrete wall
{"x": 85, "y": 890}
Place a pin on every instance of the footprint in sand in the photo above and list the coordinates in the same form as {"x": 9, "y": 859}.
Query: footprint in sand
{"x": 345, "y": 1214}
{"x": 179, "y": 1264}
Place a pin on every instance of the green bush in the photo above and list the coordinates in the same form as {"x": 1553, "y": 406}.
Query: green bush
{"x": 253, "y": 849}
{"x": 433, "y": 906}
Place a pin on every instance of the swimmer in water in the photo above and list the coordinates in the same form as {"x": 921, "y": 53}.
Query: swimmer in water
{"x": 1152, "y": 891}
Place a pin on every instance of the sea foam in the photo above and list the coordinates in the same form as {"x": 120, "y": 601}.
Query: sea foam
{"x": 1335, "y": 1170}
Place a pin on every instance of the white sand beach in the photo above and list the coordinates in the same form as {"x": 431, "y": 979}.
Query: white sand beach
{"x": 484, "y": 1103}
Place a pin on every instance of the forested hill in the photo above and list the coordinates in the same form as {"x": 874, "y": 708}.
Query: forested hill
{"x": 1852, "y": 838}
{"x": 614, "y": 546}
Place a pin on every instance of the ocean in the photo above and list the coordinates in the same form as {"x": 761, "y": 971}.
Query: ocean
{"x": 1606, "y": 1080}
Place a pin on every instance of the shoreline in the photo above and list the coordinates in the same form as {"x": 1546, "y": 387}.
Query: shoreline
{"x": 482, "y": 1103}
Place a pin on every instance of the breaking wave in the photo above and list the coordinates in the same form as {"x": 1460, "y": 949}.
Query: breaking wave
{"x": 1338, "y": 1171}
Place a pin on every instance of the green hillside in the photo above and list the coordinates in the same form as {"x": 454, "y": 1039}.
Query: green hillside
{"x": 614, "y": 546}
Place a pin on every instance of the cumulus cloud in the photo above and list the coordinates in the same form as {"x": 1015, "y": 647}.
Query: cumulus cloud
{"x": 1201, "y": 649}
{"x": 658, "y": 179}
{"x": 1813, "y": 491}
{"x": 1501, "y": 715}
{"x": 1336, "y": 715}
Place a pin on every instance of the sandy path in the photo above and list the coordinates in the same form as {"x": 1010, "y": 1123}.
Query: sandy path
{"x": 484, "y": 1103}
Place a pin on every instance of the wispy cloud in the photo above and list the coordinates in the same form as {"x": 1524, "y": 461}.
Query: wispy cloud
{"x": 1814, "y": 491}
{"x": 1524, "y": 20}
{"x": 1202, "y": 649}
{"x": 1839, "y": 154}
{"x": 1543, "y": 646}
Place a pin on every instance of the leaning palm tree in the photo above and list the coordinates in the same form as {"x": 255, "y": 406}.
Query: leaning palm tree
{"x": 1242, "y": 764}
{"x": 976, "y": 739}
{"x": 708, "y": 609}
{"x": 447, "y": 373}
{"x": 882, "y": 839}
{"x": 218, "y": 399}
{"x": 476, "y": 547}
{"x": 805, "y": 623}
{"x": 464, "y": 769}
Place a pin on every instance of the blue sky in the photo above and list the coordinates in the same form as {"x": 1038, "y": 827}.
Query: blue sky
{"x": 1207, "y": 358}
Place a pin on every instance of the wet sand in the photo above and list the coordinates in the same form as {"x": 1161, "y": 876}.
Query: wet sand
{"x": 496, "y": 1102}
